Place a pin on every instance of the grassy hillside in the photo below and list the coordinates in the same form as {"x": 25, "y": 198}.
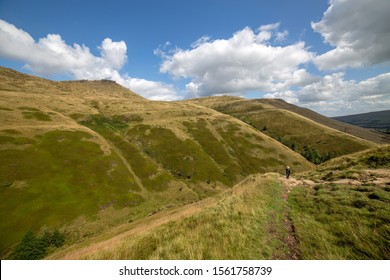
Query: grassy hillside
{"x": 246, "y": 222}
{"x": 338, "y": 211}
{"x": 85, "y": 156}
{"x": 344, "y": 212}
{"x": 314, "y": 141}
{"x": 352, "y": 129}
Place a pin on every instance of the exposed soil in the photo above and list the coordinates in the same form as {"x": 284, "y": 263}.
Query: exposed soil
{"x": 291, "y": 239}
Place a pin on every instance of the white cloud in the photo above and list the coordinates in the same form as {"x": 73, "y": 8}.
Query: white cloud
{"x": 51, "y": 55}
{"x": 114, "y": 53}
{"x": 151, "y": 89}
{"x": 333, "y": 95}
{"x": 359, "y": 32}
{"x": 244, "y": 62}
{"x": 14, "y": 43}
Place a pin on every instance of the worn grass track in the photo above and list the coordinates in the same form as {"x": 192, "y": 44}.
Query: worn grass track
{"x": 246, "y": 222}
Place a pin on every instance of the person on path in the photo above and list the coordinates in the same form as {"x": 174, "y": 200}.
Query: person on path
{"x": 288, "y": 171}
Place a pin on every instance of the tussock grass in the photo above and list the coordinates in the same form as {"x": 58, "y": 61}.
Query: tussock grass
{"x": 352, "y": 166}
{"x": 342, "y": 224}
{"x": 344, "y": 221}
{"x": 237, "y": 227}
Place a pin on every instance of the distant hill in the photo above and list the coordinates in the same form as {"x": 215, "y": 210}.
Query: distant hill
{"x": 316, "y": 137}
{"x": 374, "y": 120}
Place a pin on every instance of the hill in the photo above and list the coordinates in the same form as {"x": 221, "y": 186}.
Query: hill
{"x": 80, "y": 157}
{"x": 338, "y": 211}
{"x": 312, "y": 135}
{"x": 379, "y": 121}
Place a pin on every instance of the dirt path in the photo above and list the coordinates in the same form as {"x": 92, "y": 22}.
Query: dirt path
{"x": 378, "y": 177}
{"x": 83, "y": 250}
{"x": 291, "y": 239}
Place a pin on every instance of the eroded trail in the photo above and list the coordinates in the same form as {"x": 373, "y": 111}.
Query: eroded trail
{"x": 281, "y": 229}
{"x": 81, "y": 251}
{"x": 378, "y": 178}
{"x": 291, "y": 239}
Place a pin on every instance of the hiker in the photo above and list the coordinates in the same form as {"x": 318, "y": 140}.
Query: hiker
{"x": 288, "y": 171}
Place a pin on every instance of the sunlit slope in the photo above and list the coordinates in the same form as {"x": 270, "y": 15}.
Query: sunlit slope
{"x": 344, "y": 212}
{"x": 315, "y": 141}
{"x": 72, "y": 150}
{"x": 340, "y": 210}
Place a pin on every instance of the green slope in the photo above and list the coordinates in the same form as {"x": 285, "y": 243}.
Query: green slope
{"x": 85, "y": 156}
{"x": 313, "y": 140}
{"x": 345, "y": 213}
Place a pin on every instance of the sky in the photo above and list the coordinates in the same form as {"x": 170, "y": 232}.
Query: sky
{"x": 330, "y": 56}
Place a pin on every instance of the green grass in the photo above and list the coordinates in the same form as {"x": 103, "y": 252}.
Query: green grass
{"x": 237, "y": 227}
{"x": 5, "y": 139}
{"x": 304, "y": 136}
{"x": 113, "y": 129}
{"x": 56, "y": 179}
{"x": 214, "y": 147}
{"x": 315, "y": 142}
{"x": 341, "y": 222}
{"x": 34, "y": 113}
{"x": 350, "y": 166}
{"x": 336, "y": 221}
{"x": 253, "y": 155}
{"x": 183, "y": 159}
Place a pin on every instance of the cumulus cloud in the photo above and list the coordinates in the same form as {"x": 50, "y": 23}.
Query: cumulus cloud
{"x": 52, "y": 55}
{"x": 359, "y": 32}
{"x": 333, "y": 95}
{"x": 244, "y": 62}
{"x": 151, "y": 89}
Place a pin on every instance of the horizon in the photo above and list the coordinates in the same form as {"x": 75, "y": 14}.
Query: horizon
{"x": 331, "y": 57}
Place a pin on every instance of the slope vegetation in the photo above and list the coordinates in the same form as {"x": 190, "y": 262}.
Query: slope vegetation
{"x": 84, "y": 156}
{"x": 245, "y": 222}
{"x": 302, "y": 130}
{"x": 338, "y": 211}
{"x": 341, "y": 210}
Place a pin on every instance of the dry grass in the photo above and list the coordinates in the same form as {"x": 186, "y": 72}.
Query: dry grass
{"x": 244, "y": 223}
{"x": 154, "y": 154}
{"x": 314, "y": 136}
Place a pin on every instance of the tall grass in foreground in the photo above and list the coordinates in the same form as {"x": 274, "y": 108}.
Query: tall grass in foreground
{"x": 247, "y": 223}
{"x": 342, "y": 222}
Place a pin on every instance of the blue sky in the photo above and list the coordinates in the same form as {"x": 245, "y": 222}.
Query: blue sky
{"x": 332, "y": 57}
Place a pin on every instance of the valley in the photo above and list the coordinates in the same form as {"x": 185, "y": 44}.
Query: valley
{"x": 123, "y": 177}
